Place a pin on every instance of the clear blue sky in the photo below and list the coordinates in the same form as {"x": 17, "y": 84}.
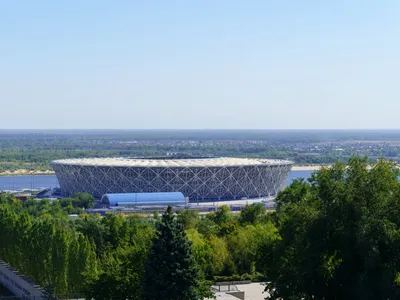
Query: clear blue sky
{"x": 200, "y": 64}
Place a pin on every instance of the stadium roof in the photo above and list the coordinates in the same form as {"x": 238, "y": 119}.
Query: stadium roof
{"x": 143, "y": 198}
{"x": 160, "y": 162}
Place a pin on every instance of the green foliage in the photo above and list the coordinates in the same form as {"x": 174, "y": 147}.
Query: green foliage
{"x": 188, "y": 218}
{"x": 221, "y": 262}
{"x": 207, "y": 227}
{"x": 76, "y": 204}
{"x": 171, "y": 271}
{"x": 121, "y": 275}
{"x": 202, "y": 250}
{"x": 247, "y": 243}
{"x": 340, "y": 236}
{"x": 85, "y": 200}
{"x": 296, "y": 193}
{"x": 156, "y": 215}
{"x": 224, "y": 220}
{"x": 222, "y": 215}
{"x": 122, "y": 246}
{"x": 251, "y": 214}
{"x": 82, "y": 255}
{"x": 41, "y": 249}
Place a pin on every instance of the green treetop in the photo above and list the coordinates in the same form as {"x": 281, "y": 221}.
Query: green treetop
{"x": 171, "y": 272}
{"x": 340, "y": 235}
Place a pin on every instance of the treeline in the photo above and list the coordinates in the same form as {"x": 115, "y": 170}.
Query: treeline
{"x": 335, "y": 236}
{"x": 65, "y": 256}
{"x": 25, "y": 150}
{"x": 46, "y": 249}
{"x": 39, "y": 158}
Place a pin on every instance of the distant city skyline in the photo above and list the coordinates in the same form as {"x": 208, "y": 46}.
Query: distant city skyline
{"x": 200, "y": 64}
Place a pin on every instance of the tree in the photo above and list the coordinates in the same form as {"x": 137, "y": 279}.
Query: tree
{"x": 207, "y": 227}
{"x": 92, "y": 227}
{"x": 224, "y": 219}
{"x": 222, "y": 215}
{"x": 221, "y": 259}
{"x": 247, "y": 242}
{"x": 119, "y": 279}
{"x": 340, "y": 235}
{"x": 171, "y": 271}
{"x": 85, "y": 200}
{"x": 122, "y": 268}
{"x": 188, "y": 218}
{"x": 251, "y": 213}
{"x": 201, "y": 250}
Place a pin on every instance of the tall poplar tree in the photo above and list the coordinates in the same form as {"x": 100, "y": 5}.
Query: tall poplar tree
{"x": 171, "y": 272}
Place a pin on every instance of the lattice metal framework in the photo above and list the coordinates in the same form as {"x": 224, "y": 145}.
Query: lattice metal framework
{"x": 256, "y": 179}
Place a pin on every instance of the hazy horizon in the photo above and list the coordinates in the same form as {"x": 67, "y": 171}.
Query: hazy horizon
{"x": 200, "y": 65}
{"x": 202, "y": 129}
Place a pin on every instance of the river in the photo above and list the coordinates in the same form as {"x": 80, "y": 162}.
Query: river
{"x": 50, "y": 181}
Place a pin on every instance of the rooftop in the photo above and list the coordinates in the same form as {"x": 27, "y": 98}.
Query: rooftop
{"x": 168, "y": 162}
{"x": 118, "y": 199}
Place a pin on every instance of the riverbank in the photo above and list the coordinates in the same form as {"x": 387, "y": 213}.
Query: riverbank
{"x": 23, "y": 172}
{"x": 308, "y": 167}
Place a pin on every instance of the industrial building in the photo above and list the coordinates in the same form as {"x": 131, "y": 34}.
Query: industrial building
{"x": 199, "y": 179}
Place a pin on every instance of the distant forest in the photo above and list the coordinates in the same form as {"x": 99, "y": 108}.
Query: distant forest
{"x": 34, "y": 149}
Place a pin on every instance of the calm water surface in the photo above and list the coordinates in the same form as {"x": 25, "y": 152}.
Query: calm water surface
{"x": 50, "y": 181}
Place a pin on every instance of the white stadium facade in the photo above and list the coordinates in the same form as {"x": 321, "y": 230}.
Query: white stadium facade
{"x": 199, "y": 179}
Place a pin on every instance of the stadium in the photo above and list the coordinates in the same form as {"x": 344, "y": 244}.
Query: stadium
{"x": 199, "y": 179}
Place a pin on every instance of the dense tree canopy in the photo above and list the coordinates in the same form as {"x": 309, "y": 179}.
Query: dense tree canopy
{"x": 74, "y": 256}
{"x": 46, "y": 249}
{"x": 104, "y": 257}
{"x": 340, "y": 236}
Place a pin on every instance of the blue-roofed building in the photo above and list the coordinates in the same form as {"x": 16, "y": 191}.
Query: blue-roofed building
{"x": 137, "y": 199}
